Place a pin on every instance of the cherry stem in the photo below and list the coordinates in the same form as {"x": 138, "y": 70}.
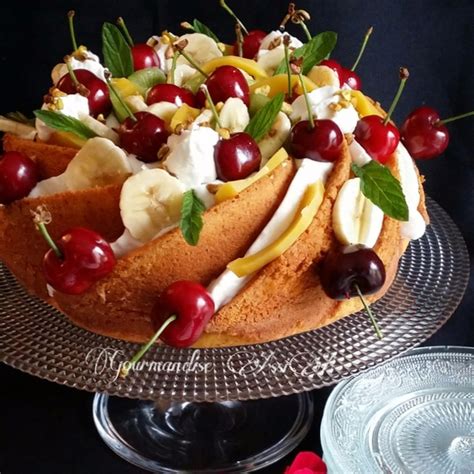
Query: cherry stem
{"x": 192, "y": 62}
{"x": 456, "y": 117}
{"x": 240, "y": 39}
{"x": 211, "y": 105}
{"x": 71, "y": 72}
{"x": 172, "y": 79}
{"x": 298, "y": 17}
{"x": 288, "y": 70}
{"x": 362, "y": 48}
{"x": 41, "y": 226}
{"x": 121, "y": 23}
{"x": 70, "y": 17}
{"x": 306, "y": 99}
{"x": 306, "y": 31}
{"x": 146, "y": 347}
{"x": 404, "y": 74}
{"x": 231, "y": 13}
{"x": 120, "y": 99}
{"x": 369, "y": 312}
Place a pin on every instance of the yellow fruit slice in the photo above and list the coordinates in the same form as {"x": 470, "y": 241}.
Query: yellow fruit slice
{"x": 232, "y": 188}
{"x": 309, "y": 206}
{"x": 363, "y": 105}
{"x": 247, "y": 65}
{"x": 66, "y": 139}
{"x": 279, "y": 83}
{"x": 125, "y": 87}
{"x": 183, "y": 115}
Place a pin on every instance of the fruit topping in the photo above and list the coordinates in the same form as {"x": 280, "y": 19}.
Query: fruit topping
{"x": 18, "y": 176}
{"x": 170, "y": 93}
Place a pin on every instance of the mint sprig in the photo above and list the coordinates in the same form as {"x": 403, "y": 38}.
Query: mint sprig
{"x": 64, "y": 123}
{"x": 313, "y": 52}
{"x": 380, "y": 186}
{"x": 263, "y": 120}
{"x": 116, "y": 51}
{"x": 191, "y": 217}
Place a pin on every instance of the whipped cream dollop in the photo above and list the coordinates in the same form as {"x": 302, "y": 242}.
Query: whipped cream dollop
{"x": 228, "y": 284}
{"x": 191, "y": 156}
{"x": 272, "y": 50}
{"x": 72, "y": 105}
{"x": 91, "y": 62}
{"x": 327, "y": 103}
{"x": 415, "y": 227}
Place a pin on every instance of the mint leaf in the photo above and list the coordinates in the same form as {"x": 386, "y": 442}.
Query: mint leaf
{"x": 382, "y": 188}
{"x": 263, "y": 120}
{"x": 116, "y": 51}
{"x": 200, "y": 27}
{"x": 146, "y": 78}
{"x": 313, "y": 52}
{"x": 191, "y": 217}
{"x": 63, "y": 123}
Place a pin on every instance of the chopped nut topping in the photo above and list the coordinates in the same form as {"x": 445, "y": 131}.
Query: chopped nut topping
{"x": 213, "y": 188}
{"x": 349, "y": 138}
{"x": 224, "y": 133}
{"x": 275, "y": 43}
{"x": 264, "y": 90}
{"x": 169, "y": 53}
{"x": 287, "y": 108}
{"x": 81, "y": 53}
{"x": 335, "y": 106}
{"x": 163, "y": 152}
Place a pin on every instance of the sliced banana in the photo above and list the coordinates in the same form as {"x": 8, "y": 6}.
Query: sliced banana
{"x": 271, "y": 59}
{"x": 200, "y": 48}
{"x": 19, "y": 129}
{"x": 356, "y": 220}
{"x": 234, "y": 115}
{"x": 150, "y": 202}
{"x": 182, "y": 73}
{"x": 136, "y": 103}
{"x": 101, "y": 129}
{"x": 324, "y": 76}
{"x": 164, "y": 110}
{"x": 98, "y": 163}
{"x": 275, "y": 138}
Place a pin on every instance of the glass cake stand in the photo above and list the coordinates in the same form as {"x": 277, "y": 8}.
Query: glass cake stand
{"x": 202, "y": 411}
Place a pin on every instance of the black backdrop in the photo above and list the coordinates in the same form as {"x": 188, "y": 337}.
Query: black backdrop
{"x": 48, "y": 428}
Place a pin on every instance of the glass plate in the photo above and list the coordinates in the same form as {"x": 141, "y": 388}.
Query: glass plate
{"x": 412, "y": 414}
{"x": 432, "y": 277}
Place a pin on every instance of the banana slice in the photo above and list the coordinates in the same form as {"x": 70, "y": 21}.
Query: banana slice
{"x": 356, "y": 220}
{"x": 324, "y": 76}
{"x": 234, "y": 115}
{"x": 136, "y": 103}
{"x": 20, "y": 129}
{"x": 101, "y": 129}
{"x": 164, "y": 110}
{"x": 275, "y": 138}
{"x": 200, "y": 48}
{"x": 150, "y": 202}
{"x": 98, "y": 163}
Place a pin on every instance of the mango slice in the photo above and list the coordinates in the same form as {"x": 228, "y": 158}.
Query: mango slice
{"x": 279, "y": 83}
{"x": 232, "y": 188}
{"x": 247, "y": 65}
{"x": 125, "y": 87}
{"x": 309, "y": 206}
{"x": 66, "y": 139}
{"x": 363, "y": 105}
{"x": 183, "y": 115}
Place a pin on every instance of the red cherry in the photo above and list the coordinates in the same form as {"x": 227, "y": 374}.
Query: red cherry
{"x": 251, "y": 44}
{"x": 225, "y": 82}
{"x": 323, "y": 142}
{"x": 351, "y": 79}
{"x": 354, "y": 265}
{"x": 98, "y": 97}
{"x": 379, "y": 140}
{"x": 144, "y": 56}
{"x": 192, "y": 305}
{"x": 423, "y": 134}
{"x": 18, "y": 176}
{"x": 143, "y": 137}
{"x": 237, "y": 157}
{"x": 170, "y": 93}
{"x": 86, "y": 258}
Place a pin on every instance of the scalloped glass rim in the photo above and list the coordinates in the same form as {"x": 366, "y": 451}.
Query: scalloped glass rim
{"x": 393, "y": 394}
{"x": 432, "y": 277}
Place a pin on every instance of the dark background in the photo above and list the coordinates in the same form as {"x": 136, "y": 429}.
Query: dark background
{"x": 47, "y": 428}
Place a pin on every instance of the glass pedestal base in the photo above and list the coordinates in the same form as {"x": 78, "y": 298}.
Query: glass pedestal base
{"x": 222, "y": 437}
